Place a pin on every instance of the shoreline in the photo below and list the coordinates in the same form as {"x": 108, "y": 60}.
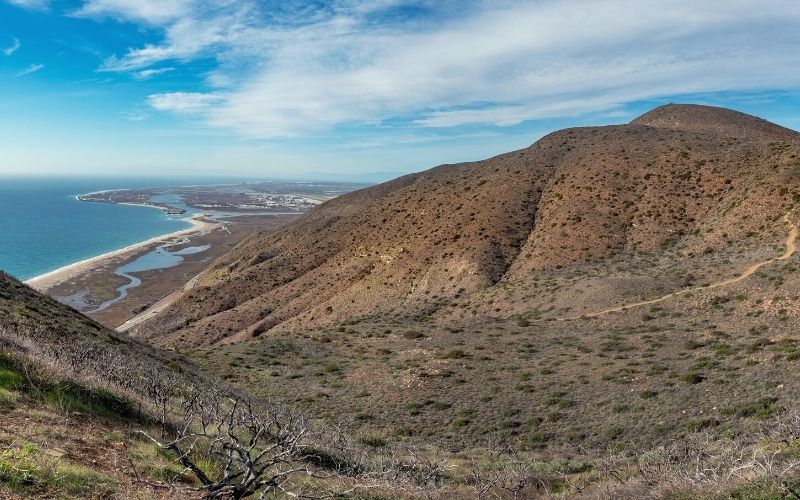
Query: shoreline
{"x": 50, "y": 279}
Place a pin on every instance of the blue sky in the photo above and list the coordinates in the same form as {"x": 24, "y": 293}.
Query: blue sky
{"x": 272, "y": 87}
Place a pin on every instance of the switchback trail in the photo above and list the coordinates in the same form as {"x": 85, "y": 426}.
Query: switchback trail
{"x": 791, "y": 247}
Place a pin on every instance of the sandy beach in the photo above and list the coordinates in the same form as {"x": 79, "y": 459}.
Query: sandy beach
{"x": 48, "y": 280}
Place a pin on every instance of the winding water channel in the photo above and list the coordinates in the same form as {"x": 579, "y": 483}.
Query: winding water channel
{"x": 160, "y": 258}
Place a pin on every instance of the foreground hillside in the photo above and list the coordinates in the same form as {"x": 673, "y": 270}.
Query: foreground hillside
{"x": 67, "y": 420}
{"x": 518, "y": 300}
{"x": 88, "y": 413}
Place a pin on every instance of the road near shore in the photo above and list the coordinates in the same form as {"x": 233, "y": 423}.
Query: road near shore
{"x": 157, "y": 307}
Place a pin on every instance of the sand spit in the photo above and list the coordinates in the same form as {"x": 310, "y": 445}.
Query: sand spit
{"x": 46, "y": 281}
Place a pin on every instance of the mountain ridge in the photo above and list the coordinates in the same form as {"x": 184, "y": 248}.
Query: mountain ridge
{"x": 576, "y": 195}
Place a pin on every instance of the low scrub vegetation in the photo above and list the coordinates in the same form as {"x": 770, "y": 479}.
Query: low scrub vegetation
{"x": 192, "y": 434}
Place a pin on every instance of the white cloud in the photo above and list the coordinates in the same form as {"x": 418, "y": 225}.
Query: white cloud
{"x": 154, "y": 12}
{"x": 483, "y": 62}
{"x": 146, "y": 74}
{"x": 15, "y": 45}
{"x": 187, "y": 39}
{"x": 30, "y": 4}
{"x": 33, "y": 68}
{"x": 183, "y": 102}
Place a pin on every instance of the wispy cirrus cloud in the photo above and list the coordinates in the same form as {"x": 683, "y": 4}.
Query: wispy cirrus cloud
{"x": 306, "y": 67}
{"x": 154, "y": 12}
{"x": 15, "y": 45}
{"x": 183, "y": 102}
{"x": 30, "y": 4}
{"x": 146, "y": 74}
{"x": 33, "y": 68}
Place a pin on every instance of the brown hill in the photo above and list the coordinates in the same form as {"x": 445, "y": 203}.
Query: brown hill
{"x": 688, "y": 179}
{"x": 712, "y": 119}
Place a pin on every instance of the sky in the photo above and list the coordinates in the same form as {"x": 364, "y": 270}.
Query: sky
{"x": 356, "y": 87}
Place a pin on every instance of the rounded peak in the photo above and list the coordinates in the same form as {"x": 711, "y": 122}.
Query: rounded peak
{"x": 713, "y": 120}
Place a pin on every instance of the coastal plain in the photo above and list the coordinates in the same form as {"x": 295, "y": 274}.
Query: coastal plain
{"x": 221, "y": 217}
{"x": 87, "y": 285}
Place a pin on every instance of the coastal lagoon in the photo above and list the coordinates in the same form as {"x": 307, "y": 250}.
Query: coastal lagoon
{"x": 44, "y": 227}
{"x": 160, "y": 258}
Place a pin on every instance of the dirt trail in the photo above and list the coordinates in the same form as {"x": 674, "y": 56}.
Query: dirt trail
{"x": 791, "y": 247}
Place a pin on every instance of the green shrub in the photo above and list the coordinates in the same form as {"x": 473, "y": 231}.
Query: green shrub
{"x": 372, "y": 441}
{"x": 648, "y": 394}
{"x": 620, "y": 408}
{"x": 760, "y": 409}
{"x": 692, "y": 378}
{"x": 9, "y": 379}
{"x": 330, "y": 367}
{"x": 613, "y": 432}
{"x": 697, "y": 425}
{"x": 537, "y": 439}
{"x": 403, "y": 431}
{"x": 455, "y": 354}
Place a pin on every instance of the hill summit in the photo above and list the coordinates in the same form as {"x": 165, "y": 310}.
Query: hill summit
{"x": 711, "y": 119}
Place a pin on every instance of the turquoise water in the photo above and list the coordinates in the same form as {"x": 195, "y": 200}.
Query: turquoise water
{"x": 43, "y": 227}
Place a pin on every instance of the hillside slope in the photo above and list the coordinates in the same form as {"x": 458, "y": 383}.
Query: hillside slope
{"x": 584, "y": 303}
{"x": 72, "y": 428}
{"x": 688, "y": 178}
{"x": 71, "y": 402}
{"x": 89, "y": 413}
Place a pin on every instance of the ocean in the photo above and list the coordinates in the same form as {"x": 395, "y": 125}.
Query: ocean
{"x": 43, "y": 227}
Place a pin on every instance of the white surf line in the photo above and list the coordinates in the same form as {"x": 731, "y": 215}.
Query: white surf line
{"x": 48, "y": 280}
